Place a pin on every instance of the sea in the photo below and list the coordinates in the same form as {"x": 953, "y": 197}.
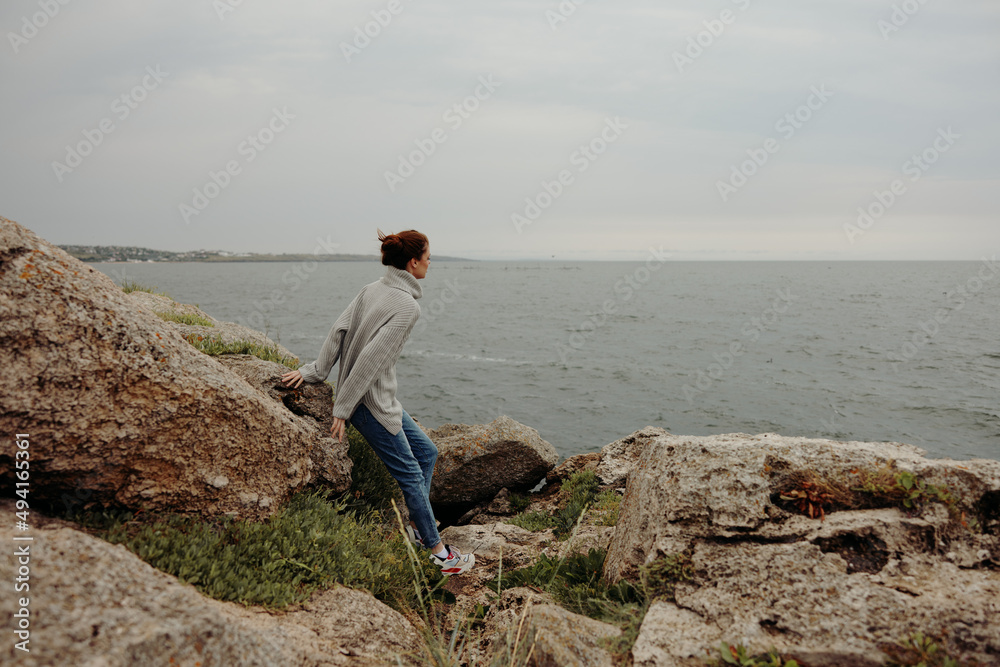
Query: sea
{"x": 589, "y": 352}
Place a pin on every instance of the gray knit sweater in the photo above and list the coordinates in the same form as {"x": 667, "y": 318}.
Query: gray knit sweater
{"x": 368, "y": 338}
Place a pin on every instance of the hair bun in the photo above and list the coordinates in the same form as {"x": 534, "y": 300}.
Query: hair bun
{"x": 389, "y": 240}
{"x": 398, "y": 249}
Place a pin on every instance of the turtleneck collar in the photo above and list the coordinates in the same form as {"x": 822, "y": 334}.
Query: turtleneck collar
{"x": 403, "y": 280}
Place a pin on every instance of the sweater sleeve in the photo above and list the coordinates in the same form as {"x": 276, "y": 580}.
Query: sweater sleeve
{"x": 319, "y": 370}
{"x": 379, "y": 353}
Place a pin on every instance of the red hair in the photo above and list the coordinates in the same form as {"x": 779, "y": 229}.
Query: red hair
{"x": 399, "y": 249}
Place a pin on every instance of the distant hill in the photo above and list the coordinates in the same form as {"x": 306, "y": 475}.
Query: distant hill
{"x": 116, "y": 253}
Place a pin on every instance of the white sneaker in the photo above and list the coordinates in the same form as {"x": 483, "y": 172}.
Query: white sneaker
{"x": 455, "y": 563}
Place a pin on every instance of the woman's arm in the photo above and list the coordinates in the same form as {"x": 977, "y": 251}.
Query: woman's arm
{"x": 319, "y": 370}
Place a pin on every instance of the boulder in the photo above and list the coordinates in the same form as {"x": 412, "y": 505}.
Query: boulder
{"x": 803, "y": 602}
{"x": 312, "y": 401}
{"x": 475, "y": 462}
{"x": 120, "y": 409}
{"x": 227, "y": 332}
{"x": 827, "y": 592}
{"x": 553, "y": 636}
{"x": 93, "y": 603}
{"x": 619, "y": 457}
{"x": 503, "y": 628}
{"x": 565, "y": 639}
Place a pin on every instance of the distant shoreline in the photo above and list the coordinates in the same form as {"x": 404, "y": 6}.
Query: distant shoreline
{"x": 236, "y": 260}
{"x": 136, "y": 255}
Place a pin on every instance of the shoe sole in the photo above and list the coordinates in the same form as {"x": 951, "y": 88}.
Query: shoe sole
{"x": 461, "y": 569}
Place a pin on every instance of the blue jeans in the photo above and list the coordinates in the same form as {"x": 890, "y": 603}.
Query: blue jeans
{"x": 409, "y": 455}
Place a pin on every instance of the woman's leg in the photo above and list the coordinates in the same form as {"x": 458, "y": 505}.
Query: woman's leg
{"x": 423, "y": 448}
{"x": 397, "y": 455}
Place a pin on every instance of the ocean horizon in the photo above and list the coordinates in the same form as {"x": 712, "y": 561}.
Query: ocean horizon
{"x": 589, "y": 351}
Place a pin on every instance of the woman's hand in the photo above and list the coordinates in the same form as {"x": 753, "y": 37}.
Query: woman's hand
{"x": 292, "y": 376}
{"x": 337, "y": 430}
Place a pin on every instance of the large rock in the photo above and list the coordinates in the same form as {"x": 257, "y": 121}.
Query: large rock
{"x": 94, "y": 604}
{"x": 227, "y": 332}
{"x": 475, "y": 462}
{"x": 619, "y": 457}
{"x": 313, "y": 401}
{"x": 565, "y": 639}
{"x": 553, "y": 636}
{"x": 804, "y": 603}
{"x": 503, "y": 629}
{"x": 120, "y": 408}
{"x": 826, "y": 592}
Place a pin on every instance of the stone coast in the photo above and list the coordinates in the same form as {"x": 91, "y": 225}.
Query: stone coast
{"x": 827, "y": 552}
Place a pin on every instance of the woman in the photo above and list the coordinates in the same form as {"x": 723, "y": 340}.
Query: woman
{"x": 367, "y": 338}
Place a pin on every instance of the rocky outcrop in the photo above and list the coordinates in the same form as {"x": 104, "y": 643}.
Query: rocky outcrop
{"x": 227, "y": 332}
{"x": 93, "y": 603}
{"x": 827, "y": 592}
{"x": 565, "y": 639}
{"x": 619, "y": 457}
{"x": 503, "y": 631}
{"x": 120, "y": 409}
{"x": 532, "y": 623}
{"x": 312, "y": 401}
{"x": 476, "y": 462}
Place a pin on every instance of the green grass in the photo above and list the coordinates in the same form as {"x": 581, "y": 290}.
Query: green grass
{"x": 576, "y": 494}
{"x": 214, "y": 346}
{"x": 577, "y": 583}
{"x": 129, "y": 286}
{"x": 195, "y": 320}
{"x": 311, "y": 544}
{"x": 740, "y": 655}
{"x": 910, "y": 492}
{"x": 608, "y": 506}
{"x": 920, "y": 650}
{"x": 533, "y": 521}
{"x": 519, "y": 502}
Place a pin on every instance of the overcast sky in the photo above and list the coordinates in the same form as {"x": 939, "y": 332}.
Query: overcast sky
{"x": 749, "y": 129}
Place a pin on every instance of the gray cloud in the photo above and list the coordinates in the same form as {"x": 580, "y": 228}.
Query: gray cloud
{"x": 324, "y": 174}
